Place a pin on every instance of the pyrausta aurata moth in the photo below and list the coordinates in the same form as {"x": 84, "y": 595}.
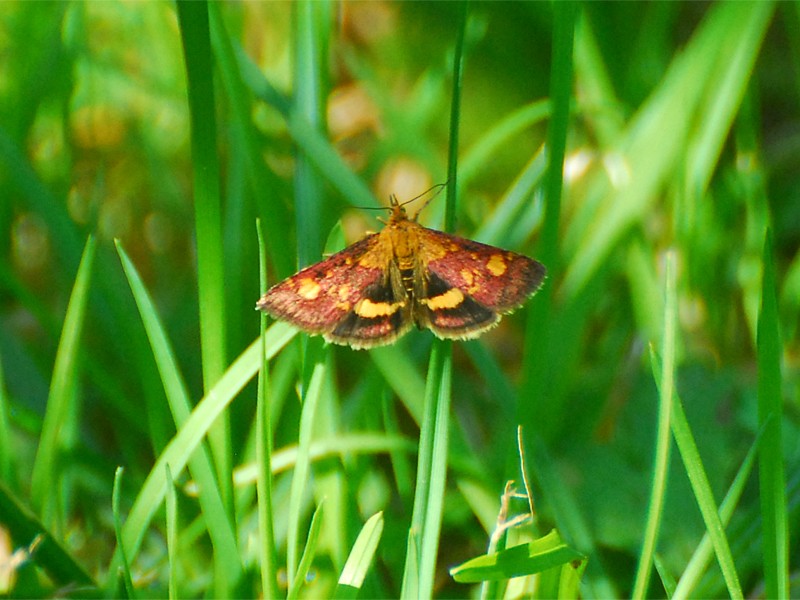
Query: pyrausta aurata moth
{"x": 372, "y": 292}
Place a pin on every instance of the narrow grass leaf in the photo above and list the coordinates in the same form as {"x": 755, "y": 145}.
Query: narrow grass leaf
{"x": 661, "y": 462}
{"x": 524, "y": 559}
{"x": 339, "y": 445}
{"x": 262, "y": 179}
{"x": 479, "y": 155}
{"x": 400, "y": 373}
{"x": 303, "y": 464}
{"x": 264, "y": 457}
{"x": 700, "y": 485}
{"x": 172, "y": 534}
{"x": 195, "y": 34}
{"x": 308, "y": 555}
{"x": 704, "y": 551}
{"x": 24, "y": 527}
{"x": 6, "y": 453}
{"x": 432, "y": 526}
{"x": 361, "y": 555}
{"x": 667, "y": 579}
{"x": 312, "y": 143}
{"x": 45, "y": 475}
{"x": 513, "y": 206}
{"x": 125, "y": 571}
{"x": 424, "y": 475}
{"x": 771, "y": 476}
{"x": 220, "y": 526}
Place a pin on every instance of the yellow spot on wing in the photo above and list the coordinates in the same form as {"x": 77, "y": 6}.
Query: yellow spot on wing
{"x": 308, "y": 289}
{"x": 450, "y": 299}
{"x": 496, "y": 265}
{"x": 369, "y": 310}
{"x": 468, "y": 275}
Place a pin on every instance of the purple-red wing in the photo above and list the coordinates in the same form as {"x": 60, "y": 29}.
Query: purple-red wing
{"x": 465, "y": 266}
{"x": 342, "y": 282}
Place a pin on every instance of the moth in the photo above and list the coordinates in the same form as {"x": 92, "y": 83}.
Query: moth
{"x": 375, "y": 290}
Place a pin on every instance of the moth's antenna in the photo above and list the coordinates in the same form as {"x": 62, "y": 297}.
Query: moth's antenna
{"x": 438, "y": 187}
{"x": 393, "y": 199}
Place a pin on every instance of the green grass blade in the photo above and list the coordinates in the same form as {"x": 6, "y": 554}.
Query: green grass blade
{"x": 219, "y": 525}
{"x": 266, "y": 524}
{"x": 539, "y": 325}
{"x": 479, "y": 155}
{"x": 704, "y": 551}
{"x": 310, "y": 62}
{"x": 308, "y": 555}
{"x": 700, "y": 485}
{"x": 6, "y": 454}
{"x": 172, "y": 535}
{"x": 661, "y": 463}
{"x": 771, "y": 476}
{"x": 361, "y": 557}
{"x": 524, "y": 559}
{"x": 25, "y": 528}
{"x": 46, "y": 475}
{"x": 302, "y": 466}
{"x": 125, "y": 571}
{"x": 193, "y": 19}
{"x": 423, "y": 482}
{"x": 313, "y": 144}
{"x": 437, "y": 478}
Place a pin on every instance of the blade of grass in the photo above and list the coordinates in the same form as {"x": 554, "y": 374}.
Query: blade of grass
{"x": 700, "y": 485}
{"x": 426, "y": 520}
{"x": 125, "y": 571}
{"x": 538, "y": 327}
{"x": 195, "y": 34}
{"x": 25, "y": 528}
{"x": 661, "y": 462}
{"x": 6, "y": 453}
{"x": 189, "y": 437}
{"x": 703, "y": 553}
{"x": 302, "y": 466}
{"x": 771, "y": 476}
{"x": 429, "y": 542}
{"x": 266, "y": 525}
{"x": 172, "y": 534}
{"x": 311, "y": 32}
{"x": 220, "y": 527}
{"x": 313, "y": 144}
{"x": 45, "y": 475}
{"x": 479, "y": 155}
{"x": 361, "y": 557}
{"x": 412, "y": 575}
{"x": 308, "y": 555}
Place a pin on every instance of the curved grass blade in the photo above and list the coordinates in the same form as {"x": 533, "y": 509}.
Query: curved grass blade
{"x": 524, "y": 559}
{"x": 308, "y": 555}
{"x": 45, "y": 474}
{"x": 700, "y": 485}
{"x": 661, "y": 463}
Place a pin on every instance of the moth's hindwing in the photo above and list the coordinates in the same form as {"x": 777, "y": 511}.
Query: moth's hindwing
{"x": 465, "y": 286}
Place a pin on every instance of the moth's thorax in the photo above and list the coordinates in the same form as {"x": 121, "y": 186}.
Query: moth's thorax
{"x": 404, "y": 241}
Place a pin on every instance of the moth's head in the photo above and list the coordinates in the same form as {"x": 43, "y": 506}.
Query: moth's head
{"x": 398, "y": 210}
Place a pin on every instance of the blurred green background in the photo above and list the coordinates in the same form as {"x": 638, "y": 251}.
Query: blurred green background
{"x": 683, "y": 136}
